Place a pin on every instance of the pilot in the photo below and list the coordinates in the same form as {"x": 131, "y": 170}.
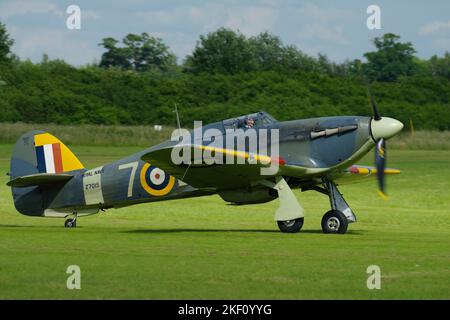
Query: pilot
{"x": 249, "y": 123}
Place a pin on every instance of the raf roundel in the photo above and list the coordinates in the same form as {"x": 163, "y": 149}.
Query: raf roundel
{"x": 155, "y": 181}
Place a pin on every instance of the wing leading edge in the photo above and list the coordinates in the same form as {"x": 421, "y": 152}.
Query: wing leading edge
{"x": 357, "y": 173}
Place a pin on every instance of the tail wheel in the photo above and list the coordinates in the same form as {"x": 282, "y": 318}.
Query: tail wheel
{"x": 291, "y": 226}
{"x": 334, "y": 221}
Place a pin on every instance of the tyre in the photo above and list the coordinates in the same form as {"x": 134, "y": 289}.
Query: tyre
{"x": 70, "y": 223}
{"x": 334, "y": 221}
{"x": 290, "y": 226}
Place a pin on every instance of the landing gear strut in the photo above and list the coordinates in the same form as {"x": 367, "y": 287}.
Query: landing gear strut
{"x": 71, "y": 222}
{"x": 337, "y": 219}
{"x": 289, "y": 215}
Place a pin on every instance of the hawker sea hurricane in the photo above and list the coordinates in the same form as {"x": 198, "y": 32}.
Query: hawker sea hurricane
{"x": 48, "y": 180}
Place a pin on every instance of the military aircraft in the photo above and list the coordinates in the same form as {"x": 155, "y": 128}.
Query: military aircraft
{"x": 48, "y": 180}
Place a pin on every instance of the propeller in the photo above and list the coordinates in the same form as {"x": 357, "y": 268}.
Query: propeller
{"x": 376, "y": 113}
{"x": 380, "y": 163}
{"x": 380, "y": 150}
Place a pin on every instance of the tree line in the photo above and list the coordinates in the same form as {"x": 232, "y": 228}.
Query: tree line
{"x": 225, "y": 51}
{"x": 138, "y": 81}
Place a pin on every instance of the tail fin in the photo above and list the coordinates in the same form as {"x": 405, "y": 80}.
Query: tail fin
{"x": 38, "y": 153}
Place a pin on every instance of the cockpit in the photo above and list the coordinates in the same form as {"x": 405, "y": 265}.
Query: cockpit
{"x": 251, "y": 121}
{"x": 255, "y": 120}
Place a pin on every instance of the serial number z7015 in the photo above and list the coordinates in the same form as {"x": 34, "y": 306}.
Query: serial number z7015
{"x": 90, "y": 186}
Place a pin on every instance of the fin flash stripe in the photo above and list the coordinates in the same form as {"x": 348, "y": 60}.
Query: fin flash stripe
{"x": 53, "y": 156}
{"x": 49, "y": 158}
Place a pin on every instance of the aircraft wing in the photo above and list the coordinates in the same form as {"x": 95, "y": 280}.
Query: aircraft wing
{"x": 223, "y": 176}
{"x": 219, "y": 176}
{"x": 357, "y": 173}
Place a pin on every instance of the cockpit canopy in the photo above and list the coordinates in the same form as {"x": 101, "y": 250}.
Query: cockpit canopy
{"x": 260, "y": 119}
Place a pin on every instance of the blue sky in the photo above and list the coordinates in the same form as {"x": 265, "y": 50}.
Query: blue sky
{"x": 335, "y": 28}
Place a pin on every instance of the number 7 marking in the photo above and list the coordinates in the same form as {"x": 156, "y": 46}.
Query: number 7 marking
{"x": 133, "y": 166}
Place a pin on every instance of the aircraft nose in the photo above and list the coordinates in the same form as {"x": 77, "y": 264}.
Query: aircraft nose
{"x": 385, "y": 128}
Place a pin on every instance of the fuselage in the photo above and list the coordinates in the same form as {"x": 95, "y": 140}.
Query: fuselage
{"x": 316, "y": 145}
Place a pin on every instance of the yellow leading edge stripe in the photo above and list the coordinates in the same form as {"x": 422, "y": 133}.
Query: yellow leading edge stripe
{"x": 242, "y": 154}
{"x": 367, "y": 171}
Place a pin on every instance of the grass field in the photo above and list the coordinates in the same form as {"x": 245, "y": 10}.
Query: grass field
{"x": 204, "y": 249}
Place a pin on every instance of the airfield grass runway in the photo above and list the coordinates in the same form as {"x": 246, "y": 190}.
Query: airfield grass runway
{"x": 204, "y": 249}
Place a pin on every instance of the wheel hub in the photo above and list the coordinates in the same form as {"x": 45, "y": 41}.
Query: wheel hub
{"x": 289, "y": 223}
{"x": 333, "y": 223}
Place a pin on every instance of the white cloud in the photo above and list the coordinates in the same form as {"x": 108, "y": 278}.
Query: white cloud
{"x": 27, "y": 7}
{"x": 334, "y": 34}
{"x": 435, "y": 27}
{"x": 162, "y": 17}
{"x": 23, "y": 7}
{"x": 314, "y": 22}
{"x": 56, "y": 42}
{"x": 324, "y": 14}
{"x": 251, "y": 20}
{"x": 323, "y": 23}
{"x": 89, "y": 14}
{"x": 248, "y": 19}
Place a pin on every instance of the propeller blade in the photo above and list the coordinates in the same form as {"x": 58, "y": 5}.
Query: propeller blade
{"x": 380, "y": 163}
{"x": 376, "y": 113}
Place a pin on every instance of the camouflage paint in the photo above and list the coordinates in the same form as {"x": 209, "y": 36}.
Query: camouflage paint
{"x": 131, "y": 180}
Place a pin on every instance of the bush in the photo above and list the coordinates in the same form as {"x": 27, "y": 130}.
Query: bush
{"x": 55, "y": 92}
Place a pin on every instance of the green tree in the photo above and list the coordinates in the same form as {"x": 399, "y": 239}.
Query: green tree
{"x": 114, "y": 56}
{"x": 391, "y": 60}
{"x": 229, "y": 52}
{"x": 139, "y": 53}
{"x": 223, "y": 51}
{"x": 440, "y": 66}
{"x": 268, "y": 51}
{"x": 5, "y": 45}
{"x": 296, "y": 60}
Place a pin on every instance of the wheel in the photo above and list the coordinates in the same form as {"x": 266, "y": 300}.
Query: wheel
{"x": 334, "y": 221}
{"x": 70, "y": 223}
{"x": 290, "y": 226}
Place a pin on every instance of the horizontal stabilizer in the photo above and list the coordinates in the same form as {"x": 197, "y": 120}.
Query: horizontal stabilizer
{"x": 39, "y": 179}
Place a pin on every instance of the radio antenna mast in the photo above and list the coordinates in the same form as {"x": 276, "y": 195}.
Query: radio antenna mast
{"x": 178, "y": 117}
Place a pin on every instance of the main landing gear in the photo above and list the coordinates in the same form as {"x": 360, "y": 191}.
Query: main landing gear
{"x": 290, "y": 215}
{"x": 337, "y": 219}
{"x": 291, "y": 226}
{"x": 334, "y": 221}
{"x": 71, "y": 222}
